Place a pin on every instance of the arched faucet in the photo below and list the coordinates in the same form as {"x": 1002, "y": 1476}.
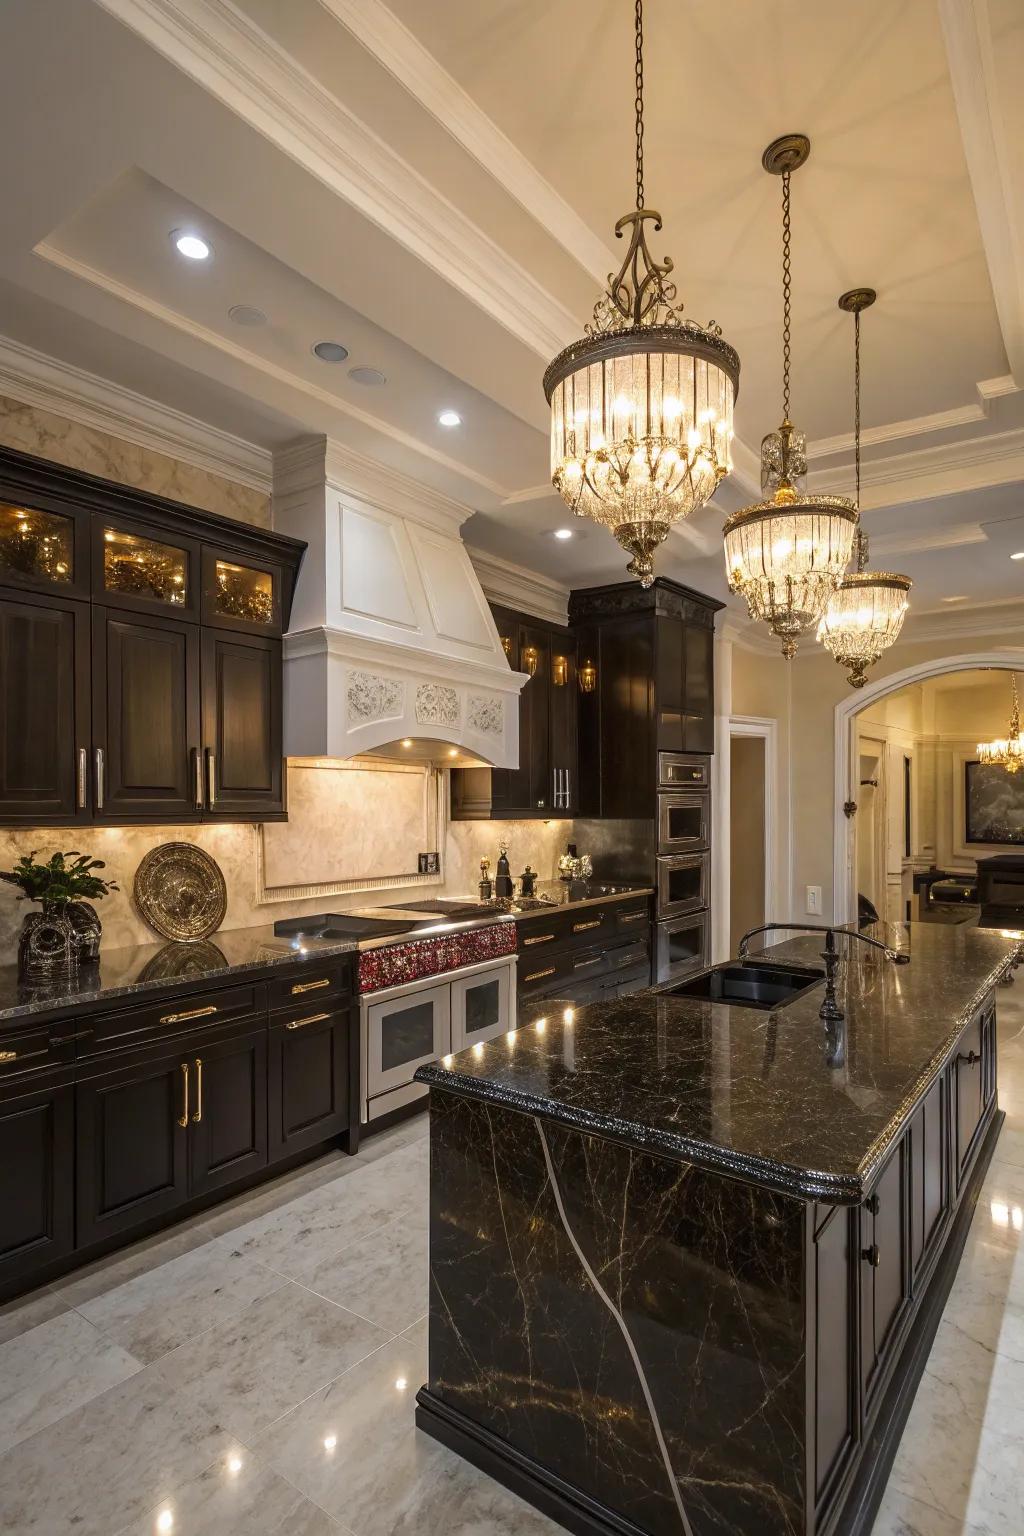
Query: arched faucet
{"x": 830, "y": 1010}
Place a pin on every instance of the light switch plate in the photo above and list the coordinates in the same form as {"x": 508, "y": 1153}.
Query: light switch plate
{"x": 813, "y": 907}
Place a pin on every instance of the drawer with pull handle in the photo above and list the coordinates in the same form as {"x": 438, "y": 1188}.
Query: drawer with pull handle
{"x": 126, "y": 1027}
{"x": 311, "y": 987}
{"x": 47, "y": 1045}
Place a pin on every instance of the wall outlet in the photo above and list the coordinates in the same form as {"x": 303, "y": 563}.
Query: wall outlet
{"x": 813, "y": 907}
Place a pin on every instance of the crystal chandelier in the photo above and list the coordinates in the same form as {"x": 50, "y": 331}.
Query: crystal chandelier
{"x": 865, "y": 616}
{"x": 787, "y": 554}
{"x": 641, "y": 406}
{"x": 1005, "y": 753}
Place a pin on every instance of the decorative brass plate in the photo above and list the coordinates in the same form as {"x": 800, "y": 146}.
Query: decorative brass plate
{"x": 180, "y": 892}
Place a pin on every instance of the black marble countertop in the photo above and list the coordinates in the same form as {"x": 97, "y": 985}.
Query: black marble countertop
{"x": 768, "y": 1097}
{"x": 580, "y": 893}
{"x": 136, "y": 968}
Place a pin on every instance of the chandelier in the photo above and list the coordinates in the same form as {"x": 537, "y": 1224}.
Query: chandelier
{"x": 1008, "y": 753}
{"x": 641, "y": 405}
{"x": 865, "y": 616}
{"x": 787, "y": 554}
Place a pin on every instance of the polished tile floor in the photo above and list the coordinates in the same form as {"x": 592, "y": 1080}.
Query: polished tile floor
{"x": 252, "y": 1373}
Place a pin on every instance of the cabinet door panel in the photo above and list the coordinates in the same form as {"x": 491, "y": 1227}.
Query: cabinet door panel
{"x": 969, "y": 1083}
{"x": 699, "y": 648}
{"x": 44, "y": 709}
{"x": 36, "y": 1179}
{"x": 564, "y": 700}
{"x": 535, "y": 779}
{"x": 885, "y": 1267}
{"x": 228, "y": 1124}
{"x": 835, "y": 1339}
{"x": 929, "y": 1181}
{"x": 146, "y": 716}
{"x": 309, "y": 1080}
{"x": 242, "y": 725}
{"x": 132, "y": 1159}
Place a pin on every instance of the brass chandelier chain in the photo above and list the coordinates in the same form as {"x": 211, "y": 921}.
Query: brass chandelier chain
{"x": 638, "y": 103}
{"x": 787, "y": 285}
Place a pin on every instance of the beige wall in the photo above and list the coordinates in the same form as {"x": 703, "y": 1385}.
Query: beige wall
{"x": 759, "y": 685}
{"x": 746, "y": 835}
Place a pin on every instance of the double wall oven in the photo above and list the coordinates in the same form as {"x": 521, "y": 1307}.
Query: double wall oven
{"x": 683, "y": 865}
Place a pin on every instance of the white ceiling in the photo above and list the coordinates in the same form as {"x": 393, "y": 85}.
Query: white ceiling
{"x": 436, "y": 186}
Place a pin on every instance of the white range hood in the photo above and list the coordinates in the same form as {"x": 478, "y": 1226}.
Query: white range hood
{"x": 390, "y": 638}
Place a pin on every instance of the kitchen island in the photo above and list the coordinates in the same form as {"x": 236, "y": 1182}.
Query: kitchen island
{"x": 687, "y": 1258}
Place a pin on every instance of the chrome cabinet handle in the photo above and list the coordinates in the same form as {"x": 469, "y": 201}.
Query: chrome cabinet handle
{"x": 99, "y": 778}
{"x": 311, "y": 1018}
{"x": 183, "y": 1117}
{"x": 197, "y": 774}
{"x": 83, "y": 772}
{"x": 190, "y": 1013}
{"x": 199, "y": 1091}
{"x": 211, "y": 775}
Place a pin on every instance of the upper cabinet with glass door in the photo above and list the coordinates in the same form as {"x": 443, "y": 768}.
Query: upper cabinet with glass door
{"x": 42, "y": 550}
{"x": 239, "y": 595}
{"x": 139, "y": 568}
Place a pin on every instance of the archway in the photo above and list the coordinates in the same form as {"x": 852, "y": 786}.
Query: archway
{"x": 843, "y": 873}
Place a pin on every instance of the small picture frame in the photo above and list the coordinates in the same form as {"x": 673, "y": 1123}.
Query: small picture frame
{"x": 429, "y": 863}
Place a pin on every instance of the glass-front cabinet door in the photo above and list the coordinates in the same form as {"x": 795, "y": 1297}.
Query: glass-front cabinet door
{"x": 241, "y": 596}
{"x": 404, "y": 1033}
{"x": 140, "y": 568}
{"x": 483, "y": 1006}
{"x": 41, "y": 550}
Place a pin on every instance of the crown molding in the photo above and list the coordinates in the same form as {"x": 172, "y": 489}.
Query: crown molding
{"x": 948, "y": 469}
{"x": 970, "y": 53}
{"x": 919, "y": 426}
{"x": 401, "y": 53}
{"x": 888, "y": 544}
{"x": 316, "y": 460}
{"x": 514, "y": 586}
{"x": 233, "y": 59}
{"x": 34, "y": 378}
{"x": 1001, "y": 616}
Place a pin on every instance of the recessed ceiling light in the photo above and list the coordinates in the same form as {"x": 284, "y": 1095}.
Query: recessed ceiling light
{"x": 190, "y": 244}
{"x": 330, "y": 351}
{"x": 369, "y": 376}
{"x": 563, "y": 533}
{"x": 246, "y": 314}
{"x": 1018, "y": 556}
{"x": 450, "y": 419}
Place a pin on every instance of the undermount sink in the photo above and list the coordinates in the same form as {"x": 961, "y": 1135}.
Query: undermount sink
{"x": 753, "y": 985}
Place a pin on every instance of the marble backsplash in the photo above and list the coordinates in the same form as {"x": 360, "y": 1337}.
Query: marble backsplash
{"x": 31, "y": 430}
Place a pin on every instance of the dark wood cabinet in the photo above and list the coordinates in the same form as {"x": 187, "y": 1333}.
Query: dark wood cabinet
{"x": 37, "y": 1160}
{"x": 544, "y": 786}
{"x": 310, "y": 1078}
{"x": 929, "y": 1175}
{"x": 832, "y": 1300}
{"x": 108, "y": 599}
{"x": 242, "y": 726}
{"x": 885, "y": 1268}
{"x": 228, "y": 1111}
{"x": 45, "y": 732}
{"x": 973, "y": 1087}
{"x": 146, "y": 725}
{"x": 132, "y": 1143}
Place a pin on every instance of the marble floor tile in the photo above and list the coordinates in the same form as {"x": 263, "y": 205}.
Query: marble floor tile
{"x": 252, "y": 1368}
{"x": 109, "y": 1462}
{"x": 354, "y": 1449}
{"x": 382, "y": 1277}
{"x": 901, "y": 1516}
{"x": 53, "y": 1369}
{"x": 169, "y": 1306}
{"x": 26, "y": 1312}
{"x": 237, "y": 1496}
{"x": 405, "y": 1134}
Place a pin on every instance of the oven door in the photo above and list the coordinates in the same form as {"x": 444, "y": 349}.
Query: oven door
{"x": 682, "y": 946}
{"x": 683, "y": 770}
{"x": 406, "y": 1028}
{"x": 684, "y": 821}
{"x": 483, "y": 1004}
{"x": 684, "y": 883}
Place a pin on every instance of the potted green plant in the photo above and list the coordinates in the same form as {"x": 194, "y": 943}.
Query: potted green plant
{"x": 67, "y": 930}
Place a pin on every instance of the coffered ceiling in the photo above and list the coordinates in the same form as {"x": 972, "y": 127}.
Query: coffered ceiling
{"x": 435, "y": 187}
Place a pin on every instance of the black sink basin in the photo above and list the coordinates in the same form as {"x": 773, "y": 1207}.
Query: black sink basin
{"x": 755, "y": 985}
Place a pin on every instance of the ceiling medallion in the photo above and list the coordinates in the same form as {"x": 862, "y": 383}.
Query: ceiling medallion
{"x": 1005, "y": 753}
{"x": 641, "y": 406}
{"x": 865, "y": 615}
{"x": 787, "y": 554}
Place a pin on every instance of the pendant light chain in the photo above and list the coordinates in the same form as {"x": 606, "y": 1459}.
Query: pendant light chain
{"x": 787, "y": 283}
{"x": 639, "y": 103}
{"x": 862, "y": 543}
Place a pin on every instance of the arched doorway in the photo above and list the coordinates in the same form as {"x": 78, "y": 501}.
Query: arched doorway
{"x": 847, "y": 769}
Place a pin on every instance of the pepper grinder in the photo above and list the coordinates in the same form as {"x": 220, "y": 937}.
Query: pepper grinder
{"x": 485, "y": 887}
{"x": 527, "y": 881}
{"x": 503, "y": 887}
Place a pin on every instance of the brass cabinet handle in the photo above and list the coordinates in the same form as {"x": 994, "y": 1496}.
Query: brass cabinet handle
{"x": 872, "y": 1255}
{"x": 197, "y": 771}
{"x": 579, "y": 965}
{"x": 99, "y": 778}
{"x": 310, "y": 986}
{"x": 190, "y": 1013}
{"x": 311, "y": 1018}
{"x": 83, "y": 771}
{"x": 971, "y": 1059}
{"x": 633, "y": 917}
{"x": 540, "y": 938}
{"x": 183, "y": 1117}
{"x": 595, "y": 922}
{"x": 198, "y": 1115}
{"x": 538, "y": 975}
{"x": 8, "y": 1055}
{"x": 211, "y": 776}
